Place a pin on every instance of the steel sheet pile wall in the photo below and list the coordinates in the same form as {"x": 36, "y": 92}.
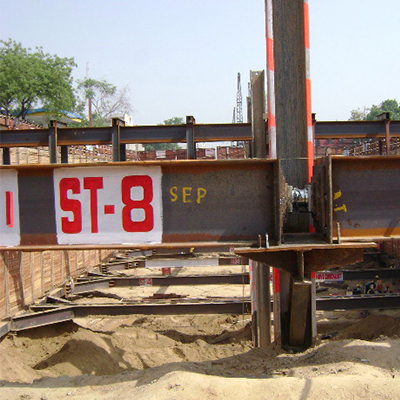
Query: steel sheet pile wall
{"x": 27, "y": 276}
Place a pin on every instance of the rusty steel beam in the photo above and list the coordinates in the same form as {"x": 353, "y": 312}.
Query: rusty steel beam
{"x": 363, "y": 302}
{"x": 57, "y": 300}
{"x": 41, "y": 319}
{"x": 356, "y": 274}
{"x": 120, "y": 265}
{"x": 355, "y": 129}
{"x": 190, "y": 261}
{"x": 317, "y": 256}
{"x": 222, "y": 307}
{"x": 128, "y": 134}
{"x": 61, "y": 314}
{"x": 89, "y": 286}
{"x": 154, "y": 246}
{"x": 191, "y": 201}
{"x": 177, "y": 133}
{"x": 177, "y": 280}
{"x": 5, "y": 329}
{"x": 357, "y": 198}
{"x": 231, "y": 279}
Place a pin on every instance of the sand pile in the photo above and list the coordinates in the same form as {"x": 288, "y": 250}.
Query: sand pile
{"x": 345, "y": 369}
{"x": 194, "y": 357}
{"x": 372, "y": 327}
{"x": 112, "y": 346}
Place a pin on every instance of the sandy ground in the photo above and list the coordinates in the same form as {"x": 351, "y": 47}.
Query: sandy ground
{"x": 199, "y": 356}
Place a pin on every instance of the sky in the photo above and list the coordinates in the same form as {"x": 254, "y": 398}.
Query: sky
{"x": 181, "y": 57}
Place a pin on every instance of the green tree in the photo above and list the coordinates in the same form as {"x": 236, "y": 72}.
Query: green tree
{"x": 390, "y": 105}
{"x": 166, "y": 146}
{"x": 359, "y": 114}
{"x": 370, "y": 113}
{"x": 32, "y": 78}
{"x": 173, "y": 121}
{"x": 106, "y": 100}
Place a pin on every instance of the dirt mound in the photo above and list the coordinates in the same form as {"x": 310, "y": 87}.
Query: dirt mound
{"x": 371, "y": 328}
{"x": 85, "y": 353}
{"x": 145, "y": 348}
{"x": 113, "y": 345}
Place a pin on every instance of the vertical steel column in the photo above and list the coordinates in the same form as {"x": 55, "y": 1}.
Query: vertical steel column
{"x": 290, "y": 89}
{"x": 254, "y": 276}
{"x": 290, "y": 129}
{"x": 122, "y": 152}
{"x": 191, "y": 145}
{"x": 115, "y": 139}
{"x": 380, "y": 147}
{"x": 385, "y": 117}
{"x": 53, "y": 142}
{"x": 261, "y": 284}
{"x": 387, "y": 128}
{"x": 6, "y": 156}
{"x": 64, "y": 154}
{"x": 310, "y": 119}
{"x": 248, "y": 144}
{"x": 259, "y": 142}
{"x": 271, "y": 78}
{"x": 264, "y": 306}
{"x": 276, "y": 293}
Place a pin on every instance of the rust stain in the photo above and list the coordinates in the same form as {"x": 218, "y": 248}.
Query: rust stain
{"x": 201, "y": 167}
{"x": 38, "y": 240}
{"x": 377, "y": 233}
{"x": 366, "y": 163}
{"x": 201, "y": 237}
{"x": 35, "y": 172}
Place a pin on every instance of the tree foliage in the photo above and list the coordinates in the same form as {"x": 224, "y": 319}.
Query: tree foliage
{"x": 369, "y": 114}
{"x": 32, "y": 78}
{"x": 359, "y": 114}
{"x": 390, "y": 105}
{"x": 166, "y": 146}
{"x": 173, "y": 121}
{"x": 106, "y": 99}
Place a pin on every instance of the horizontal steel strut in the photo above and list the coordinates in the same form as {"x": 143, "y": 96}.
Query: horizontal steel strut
{"x": 55, "y": 314}
{"x": 177, "y": 133}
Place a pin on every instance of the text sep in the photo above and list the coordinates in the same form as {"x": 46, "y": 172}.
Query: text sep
{"x": 187, "y": 194}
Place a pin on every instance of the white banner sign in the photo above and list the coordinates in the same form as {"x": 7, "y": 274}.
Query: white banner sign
{"x": 108, "y": 205}
{"x": 9, "y": 211}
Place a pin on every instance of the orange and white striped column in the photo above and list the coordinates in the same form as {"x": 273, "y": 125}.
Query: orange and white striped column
{"x": 272, "y": 126}
{"x": 270, "y": 79}
{"x": 272, "y": 149}
{"x": 310, "y": 128}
